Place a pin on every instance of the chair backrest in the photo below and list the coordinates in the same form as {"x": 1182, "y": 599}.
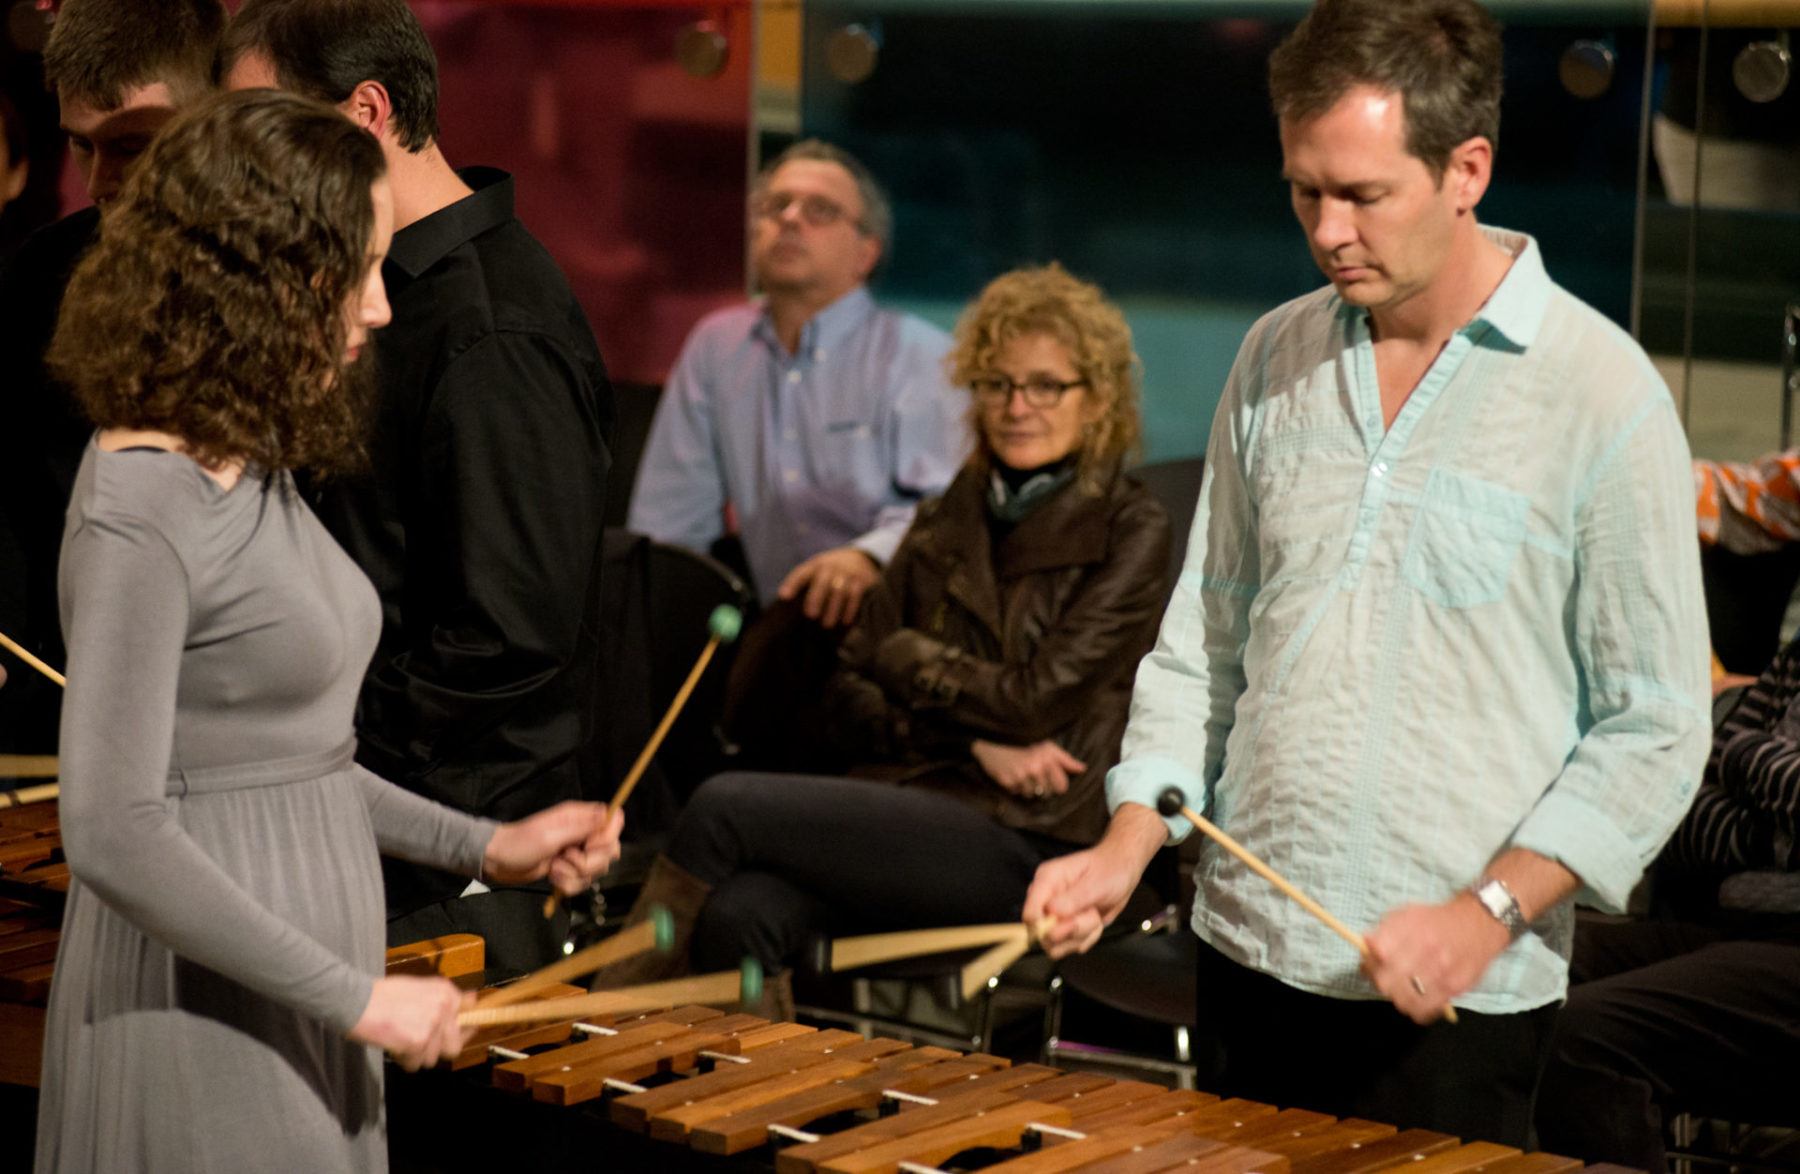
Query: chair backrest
{"x": 1746, "y": 600}
{"x": 636, "y": 407}
{"x": 655, "y": 602}
{"x": 1177, "y": 486}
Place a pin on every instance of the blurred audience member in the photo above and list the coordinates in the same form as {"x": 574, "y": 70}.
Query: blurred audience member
{"x": 15, "y": 158}
{"x": 1749, "y": 507}
{"x": 808, "y": 424}
{"x": 1699, "y": 1014}
{"x": 119, "y": 69}
{"x": 818, "y": 418}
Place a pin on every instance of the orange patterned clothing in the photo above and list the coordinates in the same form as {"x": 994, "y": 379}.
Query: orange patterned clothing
{"x": 1749, "y": 508}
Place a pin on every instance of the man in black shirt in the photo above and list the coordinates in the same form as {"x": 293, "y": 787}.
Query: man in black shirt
{"x": 119, "y": 69}
{"x": 481, "y": 521}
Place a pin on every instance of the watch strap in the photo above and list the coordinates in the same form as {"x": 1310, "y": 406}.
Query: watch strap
{"x": 1499, "y": 901}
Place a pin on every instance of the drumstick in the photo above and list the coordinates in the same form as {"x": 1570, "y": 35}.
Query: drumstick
{"x": 658, "y": 932}
{"x": 723, "y": 624}
{"x": 743, "y": 985}
{"x": 47, "y": 791}
{"x": 851, "y": 953}
{"x": 24, "y": 795}
{"x": 12, "y": 646}
{"x": 1170, "y": 803}
{"x": 997, "y": 958}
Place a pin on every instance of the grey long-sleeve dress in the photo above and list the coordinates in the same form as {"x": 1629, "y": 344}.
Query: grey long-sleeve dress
{"x": 226, "y": 919}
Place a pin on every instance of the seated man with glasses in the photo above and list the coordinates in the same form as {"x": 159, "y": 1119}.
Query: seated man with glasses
{"x": 816, "y": 417}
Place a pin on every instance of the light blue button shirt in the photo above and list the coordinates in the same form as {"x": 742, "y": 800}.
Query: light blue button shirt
{"x": 1395, "y": 653}
{"x": 832, "y": 445}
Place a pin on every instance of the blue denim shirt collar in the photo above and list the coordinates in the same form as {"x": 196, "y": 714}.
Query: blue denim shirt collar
{"x": 826, "y": 328}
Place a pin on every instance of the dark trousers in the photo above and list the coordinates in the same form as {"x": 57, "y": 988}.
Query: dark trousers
{"x": 1362, "y": 1058}
{"x": 772, "y": 709}
{"x": 790, "y": 856}
{"x": 1673, "y": 1018}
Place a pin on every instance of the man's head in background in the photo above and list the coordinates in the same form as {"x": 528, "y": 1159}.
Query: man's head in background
{"x": 369, "y": 58}
{"x": 120, "y": 69}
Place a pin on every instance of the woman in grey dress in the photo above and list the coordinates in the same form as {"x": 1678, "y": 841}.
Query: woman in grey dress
{"x": 217, "y": 1004}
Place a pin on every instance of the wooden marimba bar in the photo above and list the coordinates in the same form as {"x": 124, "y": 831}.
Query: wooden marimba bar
{"x": 821, "y": 1101}
{"x": 34, "y": 882}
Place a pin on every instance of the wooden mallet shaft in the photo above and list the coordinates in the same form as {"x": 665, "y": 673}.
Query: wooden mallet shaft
{"x": 722, "y": 626}
{"x": 47, "y": 791}
{"x": 867, "y": 950}
{"x": 729, "y": 986}
{"x": 656, "y": 933}
{"x": 12, "y": 646}
{"x": 1006, "y": 943}
{"x": 995, "y": 959}
{"x": 1171, "y": 803}
{"x": 23, "y": 795}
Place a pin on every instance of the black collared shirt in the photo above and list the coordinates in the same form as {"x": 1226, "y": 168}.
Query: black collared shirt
{"x": 481, "y": 522}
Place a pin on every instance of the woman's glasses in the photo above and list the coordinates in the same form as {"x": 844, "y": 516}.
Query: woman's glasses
{"x": 1040, "y": 391}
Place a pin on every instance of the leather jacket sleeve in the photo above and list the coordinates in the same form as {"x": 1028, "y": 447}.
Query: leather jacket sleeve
{"x": 1112, "y": 618}
{"x": 865, "y": 721}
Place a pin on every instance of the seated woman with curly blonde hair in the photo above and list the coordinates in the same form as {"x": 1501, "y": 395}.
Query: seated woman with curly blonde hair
{"x": 983, "y": 691}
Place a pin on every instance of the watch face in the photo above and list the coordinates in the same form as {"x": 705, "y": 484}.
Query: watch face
{"x": 1498, "y": 900}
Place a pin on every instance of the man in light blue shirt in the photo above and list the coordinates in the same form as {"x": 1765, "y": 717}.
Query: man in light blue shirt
{"x": 1438, "y": 650}
{"x": 818, "y": 418}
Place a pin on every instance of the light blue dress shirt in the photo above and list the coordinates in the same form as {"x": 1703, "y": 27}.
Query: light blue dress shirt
{"x": 1395, "y": 653}
{"x": 830, "y": 446}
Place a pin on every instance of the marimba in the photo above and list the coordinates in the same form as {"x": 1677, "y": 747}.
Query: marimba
{"x": 694, "y": 1088}
{"x": 33, "y": 884}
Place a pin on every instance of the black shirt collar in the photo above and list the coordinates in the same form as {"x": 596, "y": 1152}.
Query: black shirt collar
{"x": 424, "y": 243}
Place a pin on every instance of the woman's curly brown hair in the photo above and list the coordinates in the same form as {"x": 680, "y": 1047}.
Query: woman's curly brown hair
{"x": 214, "y": 306}
{"x": 1048, "y": 300}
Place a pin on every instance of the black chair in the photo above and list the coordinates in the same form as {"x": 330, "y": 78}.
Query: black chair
{"x": 920, "y": 999}
{"x": 1143, "y": 974}
{"x": 1148, "y": 974}
{"x": 1746, "y": 600}
{"x": 655, "y": 602}
{"x": 636, "y": 407}
{"x": 1176, "y": 485}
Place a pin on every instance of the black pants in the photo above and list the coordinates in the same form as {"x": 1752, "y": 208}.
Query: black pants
{"x": 1362, "y": 1058}
{"x": 1673, "y": 1018}
{"x": 789, "y": 856}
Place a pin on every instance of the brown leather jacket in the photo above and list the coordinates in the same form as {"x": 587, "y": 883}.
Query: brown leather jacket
{"x": 1036, "y": 637}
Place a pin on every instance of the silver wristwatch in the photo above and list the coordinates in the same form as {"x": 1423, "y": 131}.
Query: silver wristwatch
{"x": 1498, "y": 900}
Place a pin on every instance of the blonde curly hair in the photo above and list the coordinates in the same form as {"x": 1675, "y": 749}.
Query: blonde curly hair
{"x": 1049, "y": 300}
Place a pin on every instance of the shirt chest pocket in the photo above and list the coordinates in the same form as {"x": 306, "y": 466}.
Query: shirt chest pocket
{"x": 847, "y": 455}
{"x": 1465, "y": 538}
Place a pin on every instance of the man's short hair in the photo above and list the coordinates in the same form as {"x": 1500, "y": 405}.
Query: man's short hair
{"x": 1441, "y": 56}
{"x": 101, "y": 50}
{"x": 326, "y": 48}
{"x": 878, "y": 215}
